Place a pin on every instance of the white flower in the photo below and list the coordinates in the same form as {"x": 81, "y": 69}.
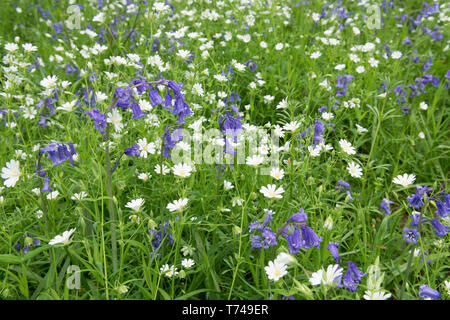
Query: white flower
{"x": 99, "y": 17}
{"x": 134, "y": 218}
{"x": 328, "y": 223}
{"x": 64, "y": 238}
{"x": 423, "y": 105}
{"x": 255, "y": 160}
{"x": 314, "y": 151}
{"x": 282, "y": 104}
{"x": 136, "y": 204}
{"x": 122, "y": 289}
{"x": 421, "y": 135}
{"x": 115, "y": 118}
{"x": 347, "y": 147}
{"x": 68, "y": 106}
{"x": 327, "y": 116}
{"x": 360, "y": 129}
{"x": 182, "y": 170}
{"x": 447, "y": 286}
{"x": 197, "y": 89}
{"x": 354, "y": 169}
{"x": 28, "y": 47}
{"x": 168, "y": 271}
{"x": 227, "y": 185}
{"x": 339, "y": 67}
{"x": 29, "y": 112}
{"x": 396, "y": 55}
{"x": 162, "y": 170}
{"x": 11, "y": 173}
{"x": 187, "y": 263}
{"x": 360, "y": 69}
{"x": 279, "y": 46}
{"x": 49, "y": 82}
{"x": 404, "y": 180}
{"x": 277, "y": 173}
{"x": 53, "y": 195}
{"x": 183, "y": 54}
{"x": 333, "y": 273}
{"x": 315, "y": 55}
{"x": 284, "y": 258}
{"x": 275, "y": 271}
{"x": 292, "y": 126}
{"x": 271, "y": 191}
{"x": 146, "y": 148}
{"x": 11, "y": 47}
{"x": 177, "y": 205}
{"x": 144, "y": 176}
{"x": 377, "y": 295}
{"x": 79, "y": 196}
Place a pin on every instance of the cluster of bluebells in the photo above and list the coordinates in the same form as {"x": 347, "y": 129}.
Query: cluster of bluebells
{"x": 416, "y": 201}
{"x": 57, "y": 153}
{"x": 352, "y": 278}
{"x": 298, "y": 234}
{"x": 158, "y": 236}
{"x": 230, "y": 122}
{"x": 26, "y": 243}
{"x": 261, "y": 235}
{"x": 344, "y": 185}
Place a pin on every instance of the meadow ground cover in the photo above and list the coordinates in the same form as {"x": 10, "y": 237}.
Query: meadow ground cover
{"x": 224, "y": 149}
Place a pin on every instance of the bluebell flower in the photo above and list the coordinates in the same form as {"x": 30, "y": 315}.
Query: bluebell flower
{"x": 441, "y": 230}
{"x": 427, "y": 292}
{"x": 99, "y": 118}
{"x": 137, "y": 112}
{"x": 342, "y": 184}
{"x": 59, "y": 152}
{"x": 353, "y": 277}
{"x": 27, "y": 242}
{"x": 298, "y": 234}
{"x": 132, "y": 151}
{"x": 157, "y": 236}
{"x": 267, "y": 238}
{"x": 154, "y": 97}
{"x": 411, "y": 235}
{"x": 251, "y": 65}
{"x": 333, "y": 248}
{"x": 384, "y": 205}
{"x": 443, "y": 208}
{"x": 46, "y": 186}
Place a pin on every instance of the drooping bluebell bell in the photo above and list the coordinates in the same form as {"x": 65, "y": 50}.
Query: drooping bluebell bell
{"x": 59, "y": 152}
{"x": 171, "y": 139}
{"x": 99, "y": 119}
{"x": 353, "y": 277}
{"x": 333, "y": 248}
{"x": 416, "y": 200}
{"x": 441, "y": 230}
{"x": 427, "y": 292}
{"x": 298, "y": 234}
{"x": 251, "y": 65}
{"x": 132, "y": 151}
{"x": 154, "y": 97}
{"x": 137, "y": 112}
{"x": 123, "y": 96}
{"x": 384, "y": 205}
{"x": 443, "y": 207}
{"x": 46, "y": 186}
